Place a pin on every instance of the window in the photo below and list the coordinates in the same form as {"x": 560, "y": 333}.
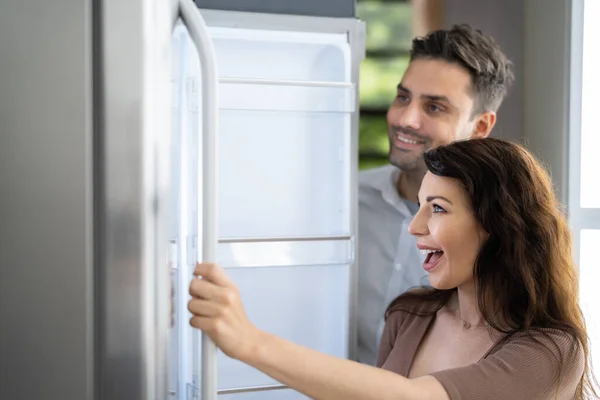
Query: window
{"x": 389, "y": 35}
{"x": 590, "y": 135}
{"x": 584, "y": 164}
{"x": 590, "y": 278}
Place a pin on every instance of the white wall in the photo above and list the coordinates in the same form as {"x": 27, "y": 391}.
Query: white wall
{"x": 546, "y": 85}
{"x": 502, "y": 19}
{"x": 534, "y": 34}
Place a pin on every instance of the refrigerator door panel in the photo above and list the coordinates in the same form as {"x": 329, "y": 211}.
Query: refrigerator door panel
{"x": 286, "y": 184}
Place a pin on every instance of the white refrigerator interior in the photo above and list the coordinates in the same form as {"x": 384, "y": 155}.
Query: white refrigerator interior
{"x": 286, "y": 176}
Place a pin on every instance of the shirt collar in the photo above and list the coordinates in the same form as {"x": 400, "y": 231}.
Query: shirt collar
{"x": 386, "y": 184}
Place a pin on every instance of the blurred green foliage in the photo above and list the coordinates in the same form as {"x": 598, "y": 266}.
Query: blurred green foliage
{"x": 373, "y": 134}
{"x": 389, "y": 24}
{"x": 389, "y": 34}
{"x": 378, "y": 80}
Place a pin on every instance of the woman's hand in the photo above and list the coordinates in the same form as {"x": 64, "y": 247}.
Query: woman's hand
{"x": 218, "y": 311}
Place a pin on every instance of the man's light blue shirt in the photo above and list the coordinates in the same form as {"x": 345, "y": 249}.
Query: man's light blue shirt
{"x": 389, "y": 262}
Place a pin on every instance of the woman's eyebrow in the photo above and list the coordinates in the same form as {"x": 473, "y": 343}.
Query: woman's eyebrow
{"x": 431, "y": 198}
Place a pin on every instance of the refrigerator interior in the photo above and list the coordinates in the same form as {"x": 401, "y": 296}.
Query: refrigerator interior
{"x": 285, "y": 176}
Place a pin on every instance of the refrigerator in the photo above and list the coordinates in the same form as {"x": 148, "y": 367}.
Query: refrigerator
{"x": 139, "y": 137}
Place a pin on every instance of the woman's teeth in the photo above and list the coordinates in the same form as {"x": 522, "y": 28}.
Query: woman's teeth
{"x": 427, "y": 251}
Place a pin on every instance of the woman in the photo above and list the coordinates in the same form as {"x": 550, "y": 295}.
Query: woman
{"x": 502, "y": 320}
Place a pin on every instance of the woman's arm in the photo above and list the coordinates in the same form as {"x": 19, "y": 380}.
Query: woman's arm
{"x": 324, "y": 377}
{"x": 218, "y": 311}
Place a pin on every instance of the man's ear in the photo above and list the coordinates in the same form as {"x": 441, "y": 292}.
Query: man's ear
{"x": 483, "y": 125}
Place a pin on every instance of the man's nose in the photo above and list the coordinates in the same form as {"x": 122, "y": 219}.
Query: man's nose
{"x": 410, "y": 117}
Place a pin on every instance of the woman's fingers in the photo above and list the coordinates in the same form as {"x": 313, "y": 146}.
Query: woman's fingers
{"x": 213, "y": 273}
{"x": 205, "y": 324}
{"x": 211, "y": 300}
{"x": 204, "y": 289}
{"x": 204, "y": 308}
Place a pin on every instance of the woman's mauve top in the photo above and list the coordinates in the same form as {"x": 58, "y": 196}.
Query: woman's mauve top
{"x": 517, "y": 368}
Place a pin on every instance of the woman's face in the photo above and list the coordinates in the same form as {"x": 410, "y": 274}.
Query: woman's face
{"x": 446, "y": 229}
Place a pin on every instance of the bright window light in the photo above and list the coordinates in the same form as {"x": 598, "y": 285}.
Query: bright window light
{"x": 587, "y": 223}
{"x": 590, "y": 131}
{"x": 589, "y": 278}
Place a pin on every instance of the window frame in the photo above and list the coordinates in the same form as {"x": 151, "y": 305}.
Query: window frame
{"x": 579, "y": 217}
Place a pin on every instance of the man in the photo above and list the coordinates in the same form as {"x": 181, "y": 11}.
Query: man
{"x": 451, "y": 90}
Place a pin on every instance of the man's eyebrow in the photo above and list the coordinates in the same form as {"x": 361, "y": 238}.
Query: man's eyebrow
{"x": 432, "y": 97}
{"x": 403, "y": 88}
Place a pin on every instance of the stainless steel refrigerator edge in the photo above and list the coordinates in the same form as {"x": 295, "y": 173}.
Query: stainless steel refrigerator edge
{"x": 46, "y": 237}
{"x": 83, "y": 137}
{"x": 131, "y": 182}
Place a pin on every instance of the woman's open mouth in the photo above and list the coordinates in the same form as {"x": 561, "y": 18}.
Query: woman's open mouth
{"x": 432, "y": 259}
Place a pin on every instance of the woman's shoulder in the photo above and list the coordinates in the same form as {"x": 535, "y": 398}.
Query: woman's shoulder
{"x": 557, "y": 341}
{"x": 536, "y": 364}
{"x": 560, "y": 337}
{"x": 554, "y": 350}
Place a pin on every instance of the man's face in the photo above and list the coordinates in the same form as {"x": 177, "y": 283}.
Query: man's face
{"x": 433, "y": 106}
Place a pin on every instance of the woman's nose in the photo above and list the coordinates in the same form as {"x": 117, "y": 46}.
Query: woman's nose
{"x": 418, "y": 225}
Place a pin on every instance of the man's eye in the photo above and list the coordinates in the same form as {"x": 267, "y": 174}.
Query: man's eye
{"x": 434, "y": 108}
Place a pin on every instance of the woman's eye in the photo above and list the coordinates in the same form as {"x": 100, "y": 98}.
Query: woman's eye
{"x": 438, "y": 209}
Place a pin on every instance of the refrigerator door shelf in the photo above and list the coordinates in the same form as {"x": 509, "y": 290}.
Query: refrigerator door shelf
{"x": 265, "y": 392}
{"x": 265, "y": 36}
{"x": 307, "y": 96}
{"x": 274, "y": 54}
{"x": 268, "y": 252}
{"x": 285, "y": 253}
{"x": 282, "y": 55}
{"x": 286, "y": 394}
